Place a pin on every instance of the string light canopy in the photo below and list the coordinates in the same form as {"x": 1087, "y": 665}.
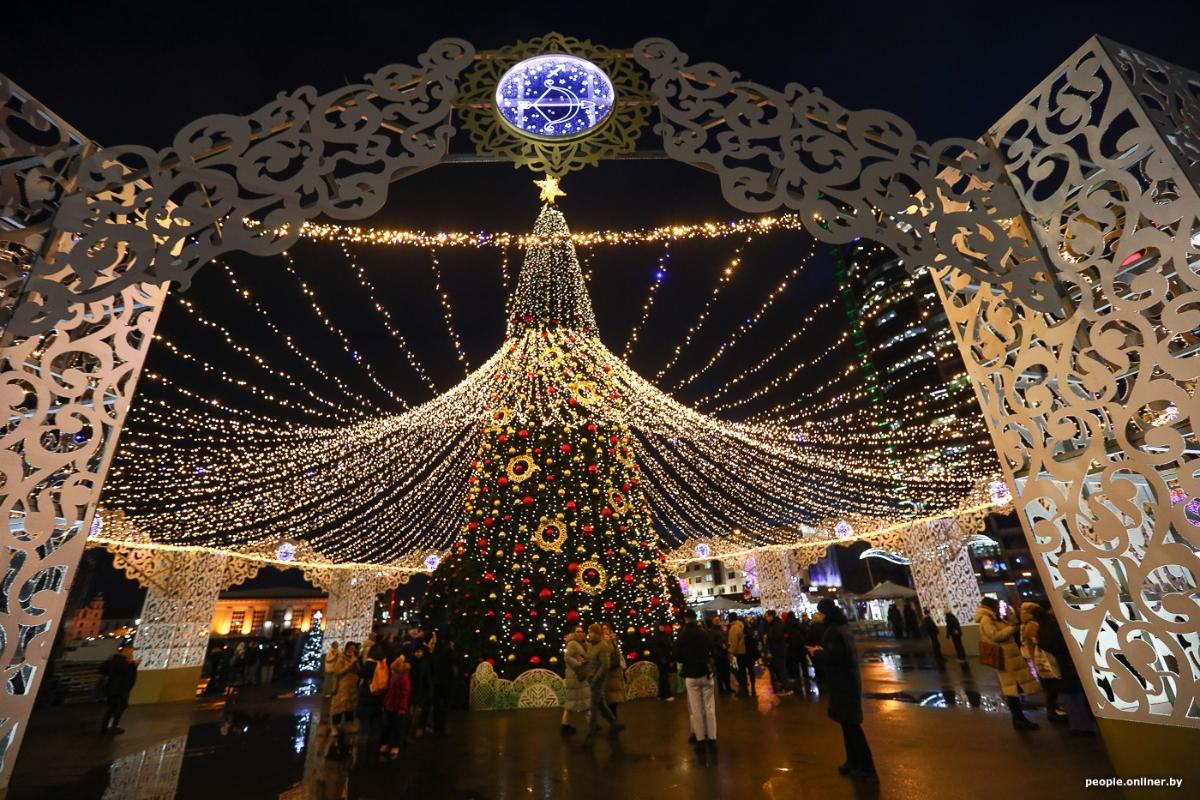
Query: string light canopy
{"x": 390, "y": 488}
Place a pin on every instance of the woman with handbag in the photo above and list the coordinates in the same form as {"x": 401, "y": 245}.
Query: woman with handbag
{"x": 999, "y": 649}
{"x": 1044, "y": 663}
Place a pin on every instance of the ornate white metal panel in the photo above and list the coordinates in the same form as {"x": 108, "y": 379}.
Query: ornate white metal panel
{"x": 178, "y": 613}
{"x": 779, "y": 581}
{"x": 941, "y": 568}
{"x": 350, "y": 612}
{"x": 1093, "y": 412}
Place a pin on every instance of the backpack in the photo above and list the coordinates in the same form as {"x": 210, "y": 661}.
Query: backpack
{"x": 379, "y": 681}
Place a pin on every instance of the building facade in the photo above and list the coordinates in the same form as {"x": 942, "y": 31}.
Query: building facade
{"x": 266, "y": 612}
{"x": 705, "y": 580}
{"x": 87, "y": 621}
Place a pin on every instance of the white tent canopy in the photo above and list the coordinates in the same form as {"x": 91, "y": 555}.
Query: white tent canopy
{"x": 888, "y": 591}
{"x": 723, "y": 604}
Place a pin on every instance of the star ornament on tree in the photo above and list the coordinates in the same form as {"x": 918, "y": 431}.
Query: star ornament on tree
{"x": 550, "y": 189}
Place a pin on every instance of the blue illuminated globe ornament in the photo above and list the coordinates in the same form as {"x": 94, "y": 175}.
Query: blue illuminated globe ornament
{"x": 844, "y": 530}
{"x": 554, "y": 97}
{"x": 285, "y": 552}
{"x": 432, "y": 561}
{"x": 998, "y": 490}
{"x": 703, "y": 550}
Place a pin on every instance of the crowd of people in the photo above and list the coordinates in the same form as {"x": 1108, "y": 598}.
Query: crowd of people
{"x": 394, "y": 688}
{"x": 391, "y": 689}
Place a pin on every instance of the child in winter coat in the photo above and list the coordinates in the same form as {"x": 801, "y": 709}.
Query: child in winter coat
{"x": 395, "y": 708}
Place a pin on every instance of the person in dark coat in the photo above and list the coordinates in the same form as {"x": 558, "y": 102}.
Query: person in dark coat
{"x": 843, "y": 685}
{"x": 752, "y": 653}
{"x": 912, "y": 625}
{"x": 695, "y": 653}
{"x": 954, "y": 634}
{"x": 422, "y": 690}
{"x": 797, "y": 650}
{"x": 121, "y": 672}
{"x": 930, "y": 629}
{"x": 720, "y": 640}
{"x": 896, "y": 621}
{"x": 660, "y": 654}
{"x": 777, "y": 647}
{"x": 442, "y": 668}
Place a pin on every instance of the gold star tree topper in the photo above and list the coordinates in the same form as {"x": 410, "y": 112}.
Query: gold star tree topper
{"x": 550, "y": 189}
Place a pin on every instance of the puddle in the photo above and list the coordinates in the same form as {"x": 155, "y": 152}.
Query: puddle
{"x": 945, "y": 698}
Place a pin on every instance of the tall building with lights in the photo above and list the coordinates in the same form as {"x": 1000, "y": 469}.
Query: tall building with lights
{"x": 912, "y": 373}
{"x": 910, "y": 368}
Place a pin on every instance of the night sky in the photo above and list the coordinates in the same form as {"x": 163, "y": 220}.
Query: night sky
{"x": 124, "y": 75}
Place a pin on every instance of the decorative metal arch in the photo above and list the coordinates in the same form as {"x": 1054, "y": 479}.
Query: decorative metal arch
{"x": 1053, "y": 377}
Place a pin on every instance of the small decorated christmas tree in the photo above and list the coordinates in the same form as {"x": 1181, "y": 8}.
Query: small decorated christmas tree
{"x": 312, "y": 656}
{"x": 556, "y": 529}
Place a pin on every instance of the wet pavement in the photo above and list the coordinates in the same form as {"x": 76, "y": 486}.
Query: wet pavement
{"x": 935, "y": 734}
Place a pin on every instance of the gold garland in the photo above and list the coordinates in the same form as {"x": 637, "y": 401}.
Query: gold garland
{"x": 600, "y": 572}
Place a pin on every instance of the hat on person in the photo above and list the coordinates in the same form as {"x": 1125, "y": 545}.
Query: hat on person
{"x": 827, "y": 606}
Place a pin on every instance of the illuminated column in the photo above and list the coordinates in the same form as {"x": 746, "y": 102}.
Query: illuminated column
{"x": 778, "y": 580}
{"x": 178, "y": 614}
{"x": 350, "y": 613}
{"x": 1093, "y": 409}
{"x": 172, "y": 638}
{"x": 941, "y": 568}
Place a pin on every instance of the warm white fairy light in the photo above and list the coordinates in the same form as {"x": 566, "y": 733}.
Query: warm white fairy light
{"x": 355, "y": 356}
{"x": 386, "y": 317}
{"x": 722, "y": 281}
{"x": 656, "y": 279}
{"x": 389, "y": 488}
{"x": 447, "y": 311}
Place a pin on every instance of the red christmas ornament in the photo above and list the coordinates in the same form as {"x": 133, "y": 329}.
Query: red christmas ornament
{"x": 572, "y": 568}
{"x": 628, "y": 578}
{"x": 519, "y": 548}
{"x": 527, "y": 500}
{"x": 606, "y": 512}
{"x": 591, "y": 427}
{"x": 502, "y": 480}
{"x": 566, "y": 448}
{"x": 504, "y": 437}
{"x": 591, "y": 468}
{"x": 545, "y": 594}
{"x": 609, "y": 605}
{"x": 523, "y": 433}
{"x": 518, "y": 637}
{"x": 572, "y": 616}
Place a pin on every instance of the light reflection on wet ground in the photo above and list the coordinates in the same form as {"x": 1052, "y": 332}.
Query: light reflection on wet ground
{"x": 277, "y": 746}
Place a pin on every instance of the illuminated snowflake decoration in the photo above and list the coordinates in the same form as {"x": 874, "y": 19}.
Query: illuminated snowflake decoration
{"x": 703, "y": 550}
{"x": 998, "y": 491}
{"x": 554, "y": 97}
{"x": 432, "y": 561}
{"x": 844, "y": 530}
{"x": 285, "y": 552}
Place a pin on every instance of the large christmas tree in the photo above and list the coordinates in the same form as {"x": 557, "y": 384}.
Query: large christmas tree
{"x": 556, "y": 528}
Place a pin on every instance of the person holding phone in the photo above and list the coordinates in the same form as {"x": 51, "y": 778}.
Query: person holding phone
{"x": 839, "y": 657}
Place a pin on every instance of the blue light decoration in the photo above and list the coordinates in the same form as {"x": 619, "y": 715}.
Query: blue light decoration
{"x": 844, "y": 530}
{"x": 703, "y": 550}
{"x": 998, "y": 491}
{"x": 554, "y": 97}
{"x": 432, "y": 561}
{"x": 285, "y": 552}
